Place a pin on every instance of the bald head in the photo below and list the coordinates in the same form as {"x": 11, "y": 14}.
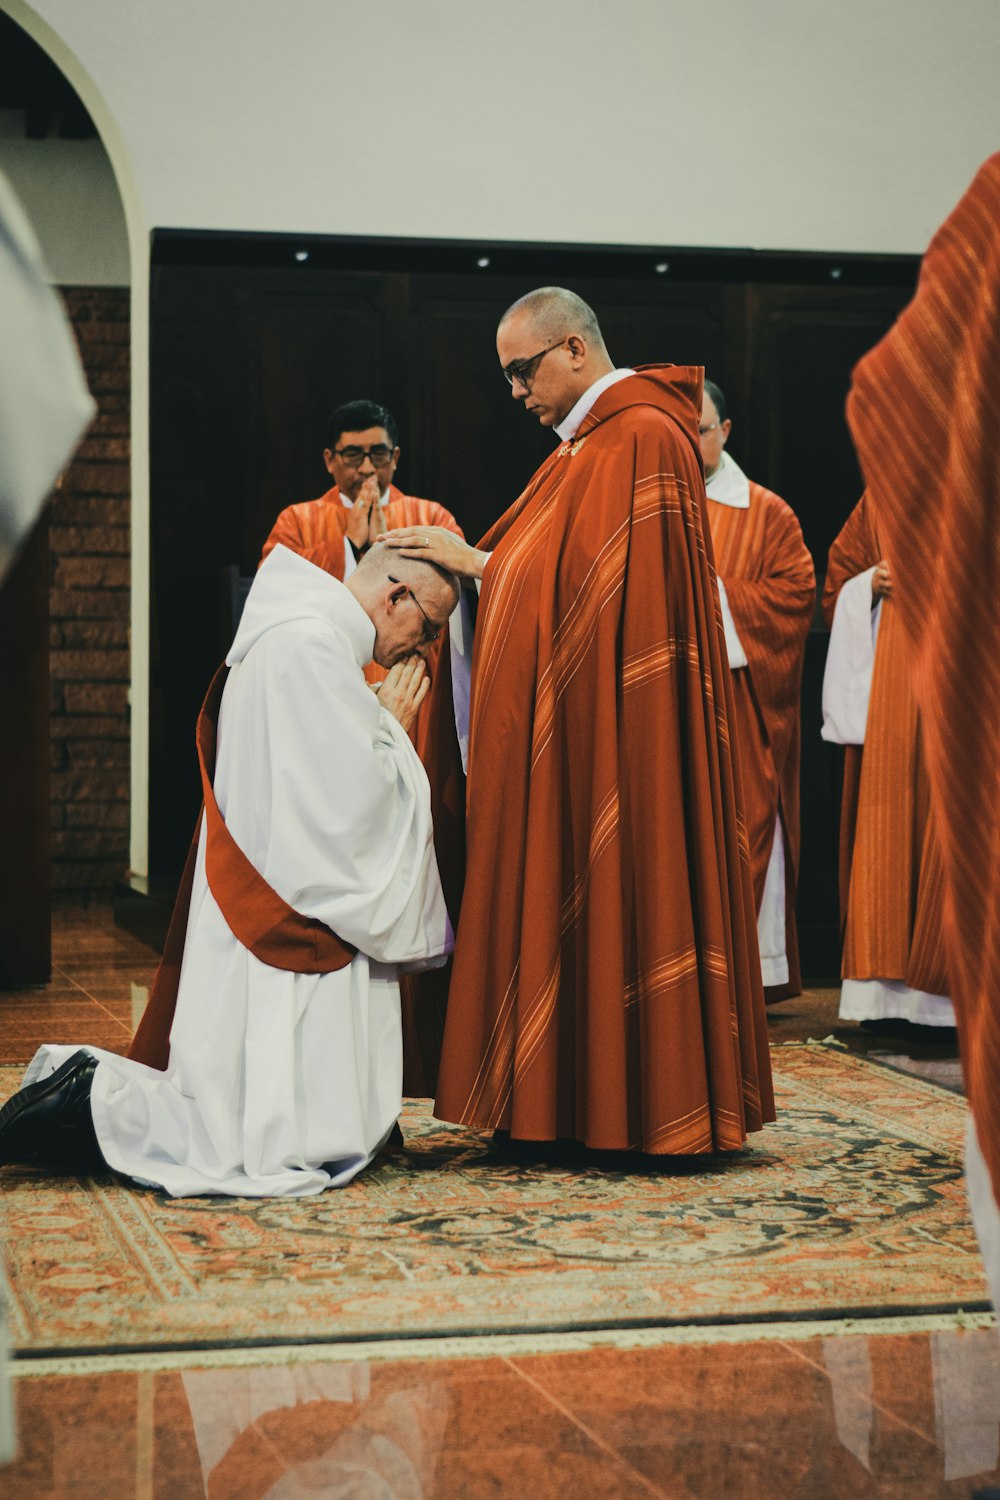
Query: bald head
{"x": 407, "y": 600}
{"x": 554, "y": 312}
{"x": 551, "y": 349}
{"x": 380, "y": 563}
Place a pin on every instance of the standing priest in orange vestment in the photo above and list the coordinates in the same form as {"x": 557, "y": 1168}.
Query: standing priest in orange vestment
{"x": 767, "y": 589}
{"x": 894, "y": 966}
{"x": 927, "y": 393}
{"x": 606, "y": 985}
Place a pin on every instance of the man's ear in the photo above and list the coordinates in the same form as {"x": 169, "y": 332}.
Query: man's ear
{"x": 576, "y": 346}
{"x": 397, "y": 591}
{"x": 328, "y": 459}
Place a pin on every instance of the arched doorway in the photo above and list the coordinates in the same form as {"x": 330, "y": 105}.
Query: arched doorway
{"x": 64, "y": 611}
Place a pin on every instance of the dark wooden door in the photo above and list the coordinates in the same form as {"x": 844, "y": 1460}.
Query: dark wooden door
{"x": 25, "y": 871}
{"x": 250, "y": 352}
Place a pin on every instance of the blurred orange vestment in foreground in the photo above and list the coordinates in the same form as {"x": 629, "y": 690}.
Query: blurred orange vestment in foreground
{"x": 926, "y": 395}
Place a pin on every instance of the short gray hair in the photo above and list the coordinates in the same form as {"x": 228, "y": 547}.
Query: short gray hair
{"x": 557, "y": 312}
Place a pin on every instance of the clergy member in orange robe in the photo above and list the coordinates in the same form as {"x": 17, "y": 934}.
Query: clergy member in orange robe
{"x": 361, "y": 455}
{"x": 767, "y": 589}
{"x": 894, "y": 965}
{"x": 606, "y": 985}
{"x": 927, "y": 394}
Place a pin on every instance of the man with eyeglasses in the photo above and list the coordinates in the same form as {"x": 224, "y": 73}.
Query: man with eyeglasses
{"x": 767, "y": 590}
{"x": 268, "y": 1062}
{"x": 606, "y": 985}
{"x": 361, "y": 455}
{"x": 335, "y": 531}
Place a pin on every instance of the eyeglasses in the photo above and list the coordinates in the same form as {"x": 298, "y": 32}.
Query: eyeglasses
{"x": 523, "y": 370}
{"x": 355, "y": 457}
{"x": 710, "y": 428}
{"x": 431, "y": 631}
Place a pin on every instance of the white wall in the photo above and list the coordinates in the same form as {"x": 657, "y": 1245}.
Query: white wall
{"x": 790, "y": 124}
{"x": 68, "y": 191}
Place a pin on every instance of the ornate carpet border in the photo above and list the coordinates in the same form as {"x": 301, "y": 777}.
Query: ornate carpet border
{"x": 715, "y": 1326}
{"x": 496, "y": 1346}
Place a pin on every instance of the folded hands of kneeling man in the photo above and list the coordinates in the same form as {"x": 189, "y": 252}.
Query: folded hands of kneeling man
{"x": 404, "y": 689}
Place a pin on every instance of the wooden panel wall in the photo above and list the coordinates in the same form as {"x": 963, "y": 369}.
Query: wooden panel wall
{"x": 249, "y": 359}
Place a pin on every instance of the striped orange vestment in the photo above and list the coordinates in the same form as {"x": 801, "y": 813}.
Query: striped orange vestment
{"x": 606, "y": 983}
{"x": 923, "y": 412}
{"x": 891, "y": 873}
{"x": 771, "y": 586}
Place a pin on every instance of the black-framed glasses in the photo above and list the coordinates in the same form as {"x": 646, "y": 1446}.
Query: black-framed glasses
{"x": 431, "y": 631}
{"x": 523, "y": 370}
{"x": 355, "y": 457}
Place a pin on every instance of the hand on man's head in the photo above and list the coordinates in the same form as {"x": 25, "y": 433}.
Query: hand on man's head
{"x": 436, "y": 544}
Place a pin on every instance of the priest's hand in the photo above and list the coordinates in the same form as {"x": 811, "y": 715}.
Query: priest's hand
{"x": 881, "y": 583}
{"x": 360, "y": 531}
{"x": 376, "y": 516}
{"x": 404, "y": 689}
{"x": 437, "y": 544}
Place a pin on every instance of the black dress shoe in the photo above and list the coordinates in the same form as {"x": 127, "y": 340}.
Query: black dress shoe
{"x": 49, "y": 1123}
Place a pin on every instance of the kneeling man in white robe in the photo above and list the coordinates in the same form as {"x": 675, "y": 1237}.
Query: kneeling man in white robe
{"x": 281, "y": 1082}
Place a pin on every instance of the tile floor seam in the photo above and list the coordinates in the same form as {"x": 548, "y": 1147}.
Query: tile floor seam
{"x": 928, "y": 1437}
{"x": 595, "y": 1438}
{"x": 94, "y": 1000}
{"x": 269, "y": 1442}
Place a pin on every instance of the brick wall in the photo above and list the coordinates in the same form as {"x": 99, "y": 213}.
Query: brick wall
{"x": 89, "y": 607}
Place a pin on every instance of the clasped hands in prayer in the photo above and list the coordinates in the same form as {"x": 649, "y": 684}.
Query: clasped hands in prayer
{"x": 436, "y": 544}
{"x": 365, "y": 519}
{"x": 404, "y": 688}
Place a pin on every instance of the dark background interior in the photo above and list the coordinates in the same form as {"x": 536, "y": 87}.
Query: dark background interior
{"x": 251, "y": 348}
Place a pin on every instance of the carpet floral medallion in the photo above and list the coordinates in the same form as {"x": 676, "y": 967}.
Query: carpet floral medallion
{"x": 852, "y": 1204}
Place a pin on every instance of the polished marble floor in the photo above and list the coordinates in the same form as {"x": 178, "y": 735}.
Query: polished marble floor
{"x": 878, "y": 1410}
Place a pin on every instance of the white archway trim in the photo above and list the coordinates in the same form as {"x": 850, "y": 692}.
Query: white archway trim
{"x": 138, "y": 236}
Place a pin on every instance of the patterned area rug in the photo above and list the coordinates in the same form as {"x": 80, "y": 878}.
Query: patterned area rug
{"x": 852, "y": 1204}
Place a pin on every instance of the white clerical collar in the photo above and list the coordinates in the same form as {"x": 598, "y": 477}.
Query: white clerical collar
{"x": 570, "y": 424}
{"x": 729, "y": 485}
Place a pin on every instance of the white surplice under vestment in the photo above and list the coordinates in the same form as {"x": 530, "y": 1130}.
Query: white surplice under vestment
{"x": 282, "y": 1083}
